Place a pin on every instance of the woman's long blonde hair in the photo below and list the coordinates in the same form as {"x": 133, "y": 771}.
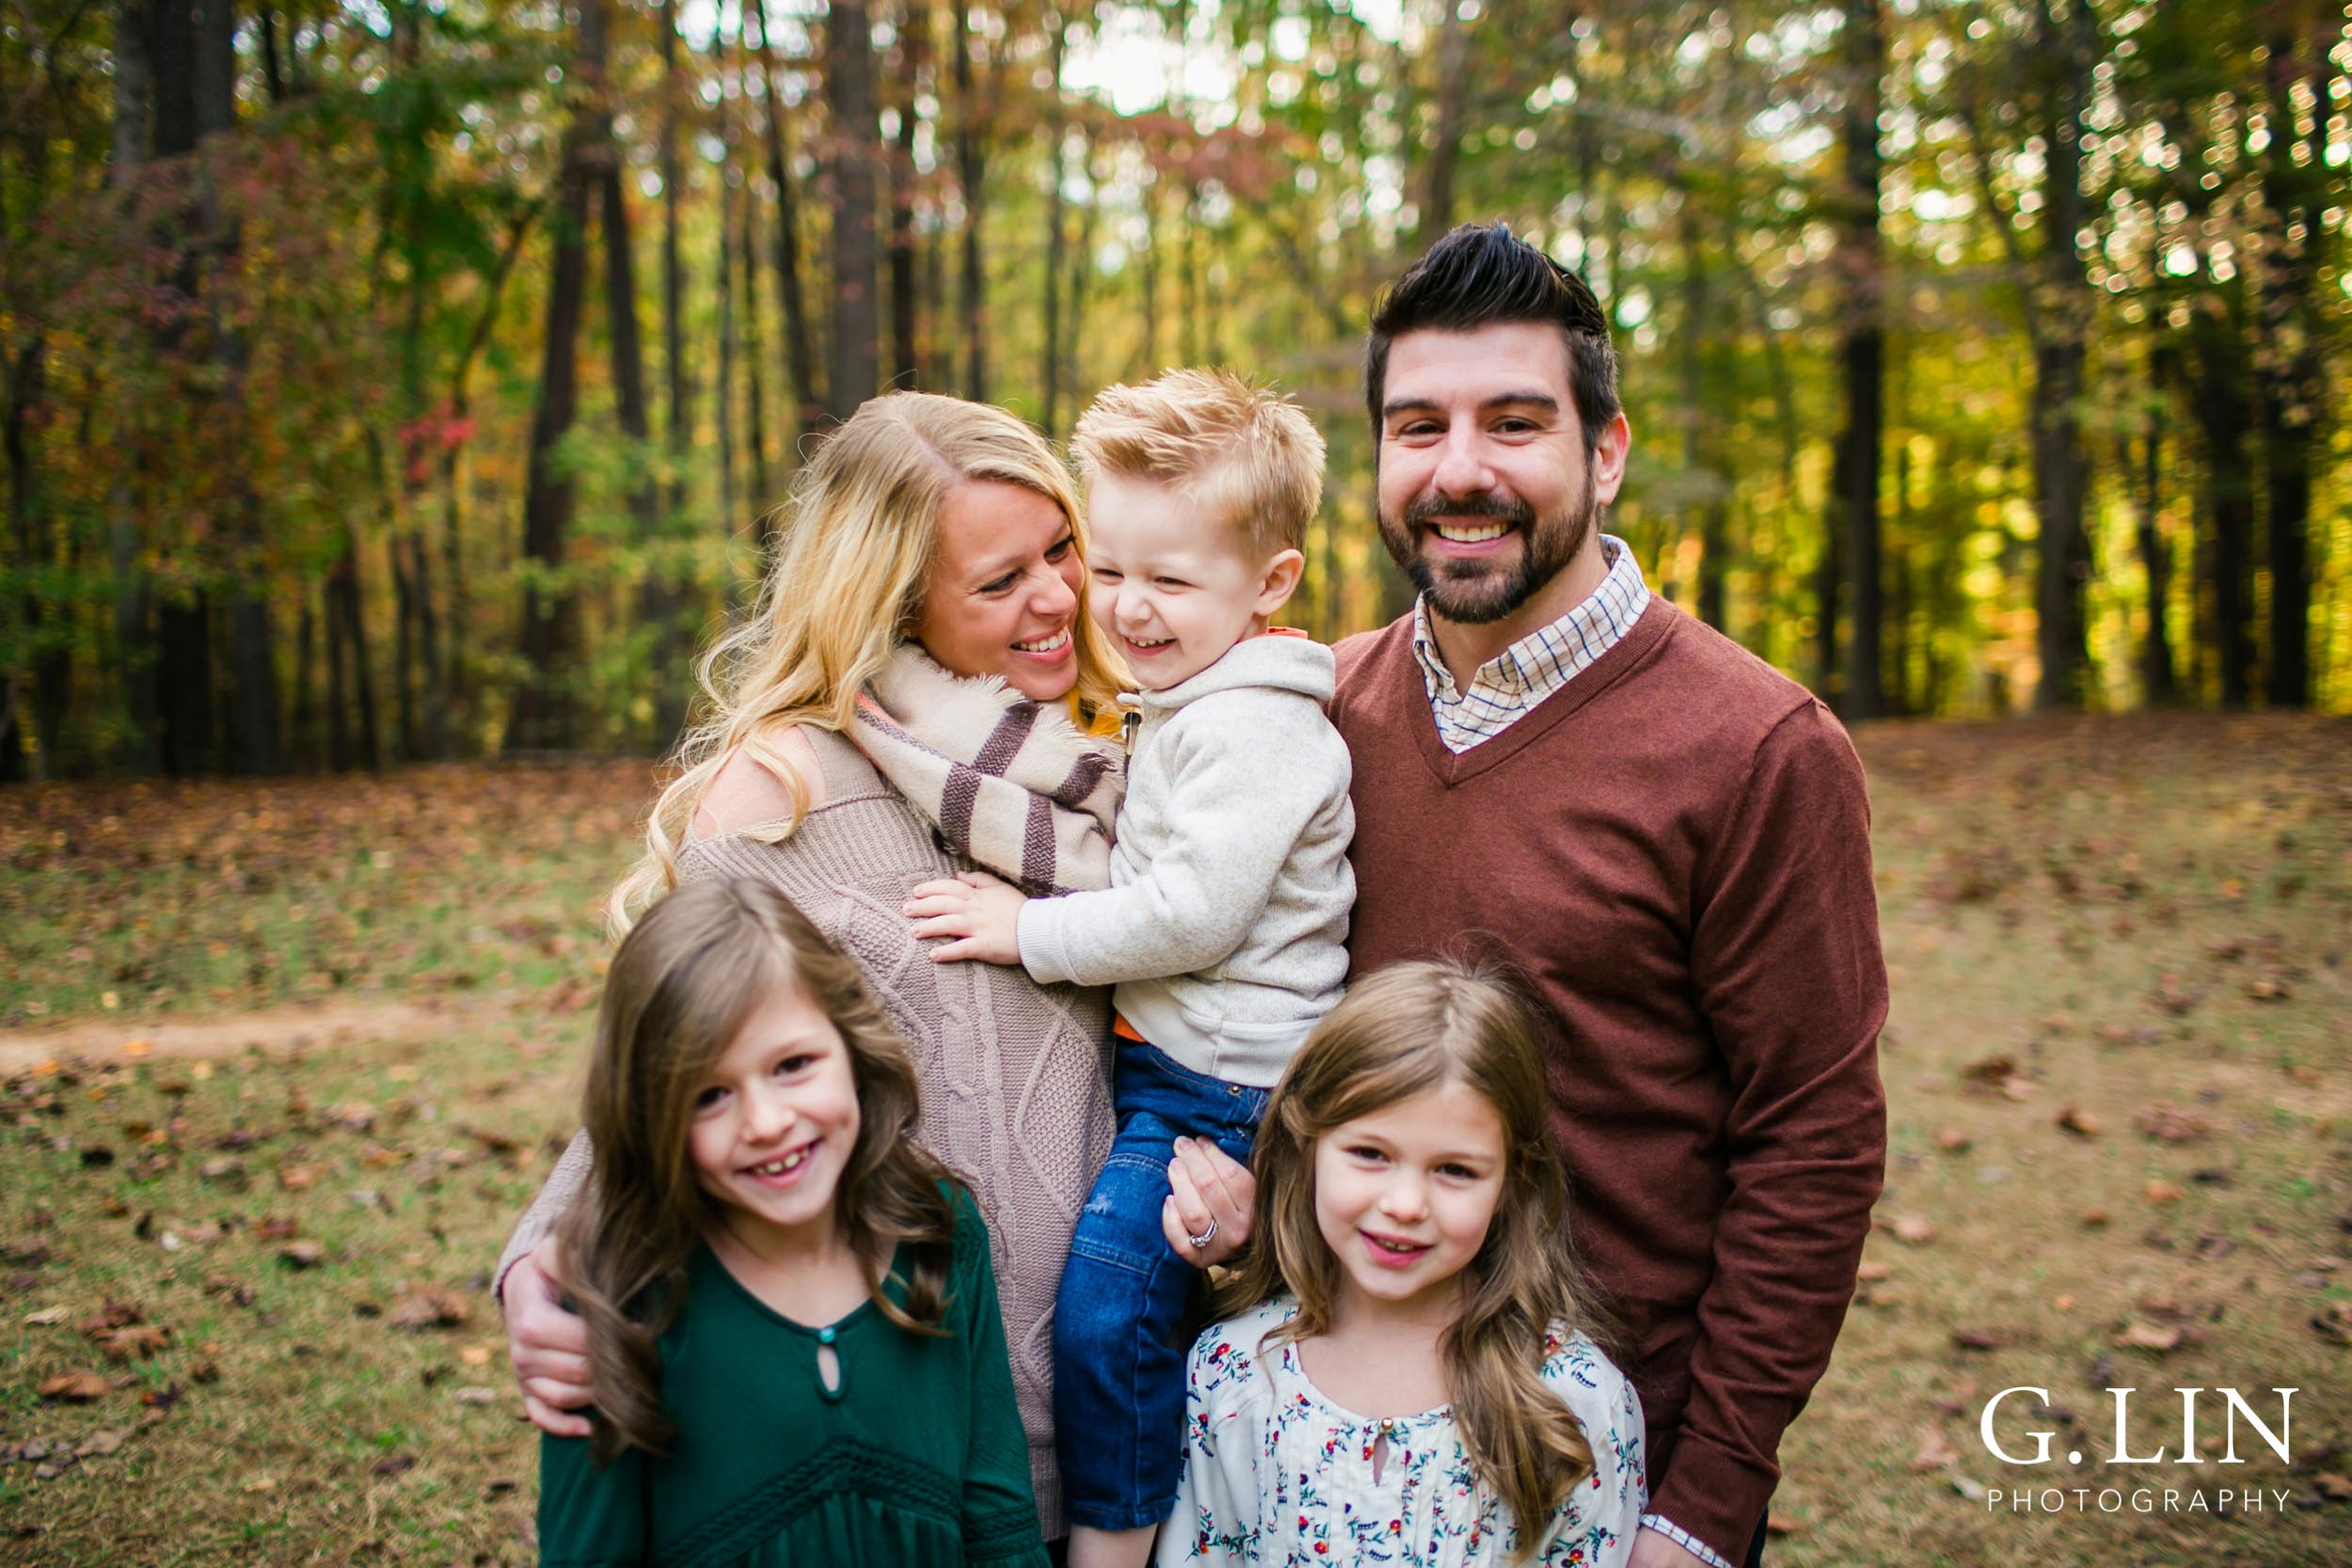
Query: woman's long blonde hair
{"x": 681, "y": 988}
{"x": 855, "y": 545}
{"x": 1402, "y": 1031}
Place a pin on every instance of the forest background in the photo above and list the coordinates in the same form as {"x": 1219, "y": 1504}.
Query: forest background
{"x": 410, "y": 381}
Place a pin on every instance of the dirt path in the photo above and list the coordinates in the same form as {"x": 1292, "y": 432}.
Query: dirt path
{"x": 293, "y": 1027}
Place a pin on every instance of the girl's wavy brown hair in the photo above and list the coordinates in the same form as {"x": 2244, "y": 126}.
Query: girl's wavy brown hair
{"x": 1400, "y": 1032}
{"x": 684, "y": 983}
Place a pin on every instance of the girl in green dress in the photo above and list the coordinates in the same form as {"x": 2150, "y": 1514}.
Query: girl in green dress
{"x": 793, "y": 1334}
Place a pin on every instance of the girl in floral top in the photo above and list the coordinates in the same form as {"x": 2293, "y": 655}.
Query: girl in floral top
{"x": 1407, "y": 1371}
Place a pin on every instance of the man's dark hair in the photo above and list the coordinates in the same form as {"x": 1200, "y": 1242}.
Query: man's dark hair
{"x": 1481, "y": 275}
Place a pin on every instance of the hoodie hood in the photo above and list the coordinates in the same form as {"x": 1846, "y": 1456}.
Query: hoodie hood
{"x": 1282, "y": 659}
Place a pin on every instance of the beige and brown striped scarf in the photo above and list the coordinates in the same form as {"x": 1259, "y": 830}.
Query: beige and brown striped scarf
{"x": 1010, "y": 784}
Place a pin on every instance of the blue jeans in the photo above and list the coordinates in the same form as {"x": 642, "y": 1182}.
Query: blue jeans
{"x": 1118, "y": 1376}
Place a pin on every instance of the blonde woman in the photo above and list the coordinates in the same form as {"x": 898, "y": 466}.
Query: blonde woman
{"x": 917, "y": 694}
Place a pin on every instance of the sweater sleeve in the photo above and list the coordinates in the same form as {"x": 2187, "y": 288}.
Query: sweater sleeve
{"x": 1247, "y": 773}
{"x": 1000, "y": 1520}
{"x": 590, "y": 1518}
{"x": 1784, "y": 963}
{"x": 563, "y": 1185}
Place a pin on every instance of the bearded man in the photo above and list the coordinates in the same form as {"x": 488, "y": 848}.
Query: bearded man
{"x": 1667, "y": 837}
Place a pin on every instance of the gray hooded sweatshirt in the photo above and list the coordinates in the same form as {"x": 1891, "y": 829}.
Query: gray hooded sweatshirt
{"x": 1225, "y": 926}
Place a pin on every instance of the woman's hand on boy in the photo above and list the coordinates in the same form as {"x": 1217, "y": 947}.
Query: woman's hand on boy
{"x": 980, "y": 913}
{"x": 547, "y": 1345}
{"x": 1209, "y": 1195}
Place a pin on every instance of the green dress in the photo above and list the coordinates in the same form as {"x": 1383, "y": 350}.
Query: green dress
{"x": 918, "y": 1460}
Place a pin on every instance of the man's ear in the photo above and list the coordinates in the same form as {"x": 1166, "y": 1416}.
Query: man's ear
{"x": 1279, "y": 581}
{"x": 1610, "y": 449}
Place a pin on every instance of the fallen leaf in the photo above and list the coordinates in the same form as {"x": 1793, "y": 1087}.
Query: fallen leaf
{"x": 262, "y": 1484}
{"x": 48, "y": 1317}
{"x": 476, "y": 1355}
{"x": 2094, "y": 1218}
{"x": 1781, "y": 1525}
{"x": 296, "y": 1179}
{"x": 2078, "y": 1121}
{"x": 1993, "y": 1071}
{"x": 277, "y": 1229}
{"x": 477, "y": 1396}
{"x": 396, "y": 1465}
{"x": 2164, "y": 1192}
{"x": 2167, "y": 1125}
{"x": 303, "y": 1254}
{"x": 2334, "y": 1322}
{"x": 99, "y": 1444}
{"x": 1951, "y": 1140}
{"x": 1872, "y": 1272}
{"x": 1968, "y": 1489}
{"x": 2335, "y": 1488}
{"x": 1976, "y": 1339}
{"x": 1935, "y": 1450}
{"x": 352, "y": 1115}
{"x": 75, "y": 1388}
{"x": 227, "y": 1171}
{"x": 136, "y": 1342}
{"x": 2150, "y": 1336}
{"x": 1913, "y": 1230}
{"x": 431, "y": 1309}
{"x": 117, "y": 1314}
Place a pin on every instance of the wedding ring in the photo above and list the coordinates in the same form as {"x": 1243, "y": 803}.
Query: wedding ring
{"x": 1206, "y": 1236}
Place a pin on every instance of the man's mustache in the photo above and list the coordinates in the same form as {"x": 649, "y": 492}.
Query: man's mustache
{"x": 1422, "y": 509}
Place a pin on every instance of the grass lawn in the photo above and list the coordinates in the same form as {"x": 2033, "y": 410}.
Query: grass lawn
{"x": 280, "y": 1064}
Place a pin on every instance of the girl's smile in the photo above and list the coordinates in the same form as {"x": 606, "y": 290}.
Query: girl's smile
{"x": 1404, "y": 1196}
{"x": 774, "y": 1123}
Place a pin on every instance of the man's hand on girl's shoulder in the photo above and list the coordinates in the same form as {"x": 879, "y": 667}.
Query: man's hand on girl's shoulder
{"x": 547, "y": 1345}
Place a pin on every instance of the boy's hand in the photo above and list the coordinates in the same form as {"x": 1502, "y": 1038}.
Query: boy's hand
{"x": 982, "y": 914}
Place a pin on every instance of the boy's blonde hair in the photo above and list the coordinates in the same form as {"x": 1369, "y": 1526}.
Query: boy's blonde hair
{"x": 1247, "y": 453}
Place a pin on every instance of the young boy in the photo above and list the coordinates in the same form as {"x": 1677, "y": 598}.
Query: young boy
{"x": 1225, "y": 926}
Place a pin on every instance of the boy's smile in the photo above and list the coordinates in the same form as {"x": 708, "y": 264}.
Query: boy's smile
{"x": 1173, "y": 585}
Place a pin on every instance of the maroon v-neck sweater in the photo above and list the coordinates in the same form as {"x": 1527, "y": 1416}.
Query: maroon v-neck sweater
{"x": 1675, "y": 848}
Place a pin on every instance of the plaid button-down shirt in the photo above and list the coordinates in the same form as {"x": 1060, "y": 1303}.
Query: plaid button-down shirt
{"x": 1509, "y": 685}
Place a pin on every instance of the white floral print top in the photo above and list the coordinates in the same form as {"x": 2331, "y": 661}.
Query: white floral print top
{"x": 1276, "y": 1473}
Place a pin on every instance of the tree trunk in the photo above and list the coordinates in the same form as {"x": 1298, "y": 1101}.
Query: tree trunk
{"x": 1081, "y": 269}
{"x": 2064, "y": 560}
{"x": 1149, "y": 363}
{"x": 544, "y": 709}
{"x": 2155, "y": 648}
{"x": 679, "y": 423}
{"x": 755, "y": 394}
{"x": 800, "y": 361}
{"x": 1862, "y": 353}
{"x": 914, "y": 25}
{"x": 970, "y": 171}
{"x": 1057, "y": 172}
{"x": 1436, "y": 202}
{"x": 628, "y": 351}
{"x": 856, "y": 140}
{"x": 2289, "y": 370}
{"x": 722, "y": 405}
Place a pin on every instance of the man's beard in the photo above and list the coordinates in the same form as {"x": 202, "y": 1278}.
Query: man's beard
{"x": 1474, "y": 593}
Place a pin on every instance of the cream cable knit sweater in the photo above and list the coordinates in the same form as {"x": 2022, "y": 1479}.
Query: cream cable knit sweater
{"x": 1015, "y": 1095}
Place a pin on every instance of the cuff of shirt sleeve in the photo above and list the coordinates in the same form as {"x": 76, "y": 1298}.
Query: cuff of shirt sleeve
{"x": 1713, "y": 1494}
{"x": 1685, "y": 1540}
{"x": 1039, "y": 940}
